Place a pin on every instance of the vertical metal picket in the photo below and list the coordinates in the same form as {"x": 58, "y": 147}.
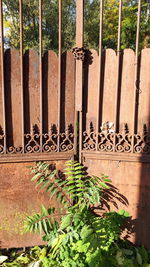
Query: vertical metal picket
{"x": 79, "y": 67}
{"x": 100, "y": 67}
{"x": 59, "y": 69}
{"x": 21, "y": 69}
{"x": 2, "y": 72}
{"x": 40, "y": 71}
{"x": 135, "y": 104}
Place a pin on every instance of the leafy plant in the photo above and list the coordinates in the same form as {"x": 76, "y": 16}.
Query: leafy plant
{"x": 31, "y": 257}
{"x": 75, "y": 234}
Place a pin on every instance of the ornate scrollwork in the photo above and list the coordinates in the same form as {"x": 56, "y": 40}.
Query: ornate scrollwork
{"x": 109, "y": 141}
{"x": 106, "y": 141}
{"x": 32, "y": 140}
{"x": 67, "y": 139}
{"x": 142, "y": 142}
{"x": 14, "y": 150}
{"x": 106, "y": 137}
{"x": 1, "y": 141}
{"x": 89, "y": 138}
{"x": 124, "y": 140}
{"x": 50, "y": 140}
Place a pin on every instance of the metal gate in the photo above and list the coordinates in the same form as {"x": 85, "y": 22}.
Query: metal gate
{"x": 114, "y": 120}
{"x": 88, "y": 104}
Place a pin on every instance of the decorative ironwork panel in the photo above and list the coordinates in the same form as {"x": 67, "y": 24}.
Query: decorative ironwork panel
{"x": 1, "y": 141}
{"x": 32, "y": 141}
{"x": 105, "y": 141}
{"x": 109, "y": 141}
{"x": 89, "y": 138}
{"x": 14, "y": 150}
{"x": 123, "y": 140}
{"x": 142, "y": 142}
{"x": 50, "y": 140}
{"x": 67, "y": 139}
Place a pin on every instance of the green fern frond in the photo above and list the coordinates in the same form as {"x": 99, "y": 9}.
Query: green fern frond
{"x": 47, "y": 179}
{"x": 41, "y": 222}
{"x": 76, "y": 188}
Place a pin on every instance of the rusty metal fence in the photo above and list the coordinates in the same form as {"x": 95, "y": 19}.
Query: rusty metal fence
{"x": 102, "y": 131}
{"x": 52, "y": 107}
{"x": 106, "y": 135}
{"x": 59, "y": 137}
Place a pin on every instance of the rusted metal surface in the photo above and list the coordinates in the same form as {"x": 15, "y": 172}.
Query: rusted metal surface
{"x": 131, "y": 178}
{"x": 79, "y": 67}
{"x": 127, "y": 89}
{"x": 19, "y": 198}
{"x": 117, "y": 100}
{"x": 108, "y": 139}
{"x": 32, "y": 100}
{"x": 50, "y": 96}
{"x": 13, "y": 101}
{"x": 136, "y": 85}
{"x": 21, "y": 70}
{"x": 79, "y": 44}
{"x": 3, "y": 132}
{"x": 59, "y": 66}
{"x": 100, "y": 67}
{"x": 91, "y": 88}
{"x": 40, "y": 73}
{"x": 144, "y": 92}
{"x": 108, "y": 94}
{"x": 32, "y": 92}
{"x": 136, "y": 81}
{"x": 109, "y": 81}
{"x": 50, "y": 89}
{"x": 68, "y": 90}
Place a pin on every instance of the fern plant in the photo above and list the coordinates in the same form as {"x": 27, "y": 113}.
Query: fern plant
{"x": 76, "y": 222}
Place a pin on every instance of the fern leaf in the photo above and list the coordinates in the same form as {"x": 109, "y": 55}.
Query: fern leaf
{"x": 40, "y": 181}
{"x": 53, "y": 191}
{"x": 40, "y": 227}
{"x": 49, "y": 188}
{"x": 66, "y": 221}
{"x": 104, "y": 185}
{"x": 35, "y": 177}
{"x": 44, "y": 226}
{"x": 44, "y": 211}
{"x": 80, "y": 167}
{"x": 58, "y": 194}
{"x": 45, "y": 183}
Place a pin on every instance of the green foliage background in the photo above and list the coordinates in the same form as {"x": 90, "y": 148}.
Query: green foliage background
{"x": 92, "y": 8}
